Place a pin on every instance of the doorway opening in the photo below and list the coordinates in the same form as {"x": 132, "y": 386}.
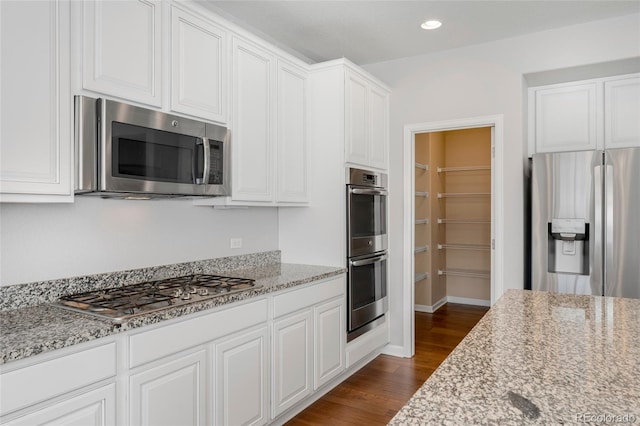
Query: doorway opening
{"x": 453, "y": 216}
{"x": 452, "y": 233}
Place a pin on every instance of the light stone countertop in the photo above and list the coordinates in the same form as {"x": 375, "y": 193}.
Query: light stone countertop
{"x": 538, "y": 358}
{"x": 32, "y": 330}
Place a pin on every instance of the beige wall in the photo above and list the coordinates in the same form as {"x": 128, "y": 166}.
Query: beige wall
{"x": 463, "y": 148}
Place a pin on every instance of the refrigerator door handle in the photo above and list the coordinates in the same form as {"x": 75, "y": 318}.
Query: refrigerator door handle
{"x": 608, "y": 230}
{"x": 598, "y": 234}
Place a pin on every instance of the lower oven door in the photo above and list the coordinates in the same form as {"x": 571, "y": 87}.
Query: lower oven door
{"x": 367, "y": 289}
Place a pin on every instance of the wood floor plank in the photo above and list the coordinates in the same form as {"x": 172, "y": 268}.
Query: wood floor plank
{"x": 375, "y": 393}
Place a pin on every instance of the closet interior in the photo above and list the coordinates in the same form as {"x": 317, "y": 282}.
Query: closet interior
{"x": 452, "y": 218}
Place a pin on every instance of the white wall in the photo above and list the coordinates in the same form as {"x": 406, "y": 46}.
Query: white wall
{"x": 93, "y": 235}
{"x": 483, "y": 80}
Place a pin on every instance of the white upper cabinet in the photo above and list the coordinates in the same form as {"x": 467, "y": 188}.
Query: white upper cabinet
{"x": 584, "y": 115}
{"x": 379, "y": 127}
{"x": 268, "y": 129}
{"x": 35, "y": 106}
{"x": 622, "y": 112}
{"x": 356, "y": 120}
{"x": 198, "y": 66}
{"x": 252, "y": 130}
{"x": 366, "y": 122}
{"x": 291, "y": 133}
{"x": 566, "y": 118}
{"x": 122, "y": 49}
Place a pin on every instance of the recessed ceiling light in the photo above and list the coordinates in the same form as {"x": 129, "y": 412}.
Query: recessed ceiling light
{"x": 431, "y": 25}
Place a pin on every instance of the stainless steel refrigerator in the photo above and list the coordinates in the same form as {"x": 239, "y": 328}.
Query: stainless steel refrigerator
{"x": 585, "y": 222}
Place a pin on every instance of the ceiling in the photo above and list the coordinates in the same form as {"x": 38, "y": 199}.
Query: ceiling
{"x": 375, "y": 31}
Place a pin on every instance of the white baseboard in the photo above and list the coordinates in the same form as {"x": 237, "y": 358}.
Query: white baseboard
{"x": 468, "y": 301}
{"x": 395, "y": 350}
{"x": 451, "y": 299}
{"x": 431, "y": 308}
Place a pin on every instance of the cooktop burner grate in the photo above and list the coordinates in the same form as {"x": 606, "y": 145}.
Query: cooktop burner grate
{"x": 122, "y": 303}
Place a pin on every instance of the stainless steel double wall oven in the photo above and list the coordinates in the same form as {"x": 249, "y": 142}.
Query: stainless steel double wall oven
{"x": 366, "y": 250}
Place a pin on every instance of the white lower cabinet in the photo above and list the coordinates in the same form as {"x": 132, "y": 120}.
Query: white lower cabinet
{"x": 170, "y": 394}
{"x": 330, "y": 324}
{"x": 309, "y": 335}
{"x": 241, "y": 379}
{"x": 93, "y": 408}
{"x": 292, "y": 360}
{"x": 246, "y": 364}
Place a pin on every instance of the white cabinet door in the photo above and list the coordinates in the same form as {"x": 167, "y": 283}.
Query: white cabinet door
{"x": 379, "y": 127}
{"x": 356, "y": 120}
{"x": 330, "y": 337}
{"x": 292, "y": 360}
{"x": 241, "y": 391}
{"x": 622, "y": 112}
{"x": 566, "y": 118}
{"x": 291, "y": 134}
{"x": 35, "y": 106}
{"x": 93, "y": 408}
{"x": 122, "y": 49}
{"x": 198, "y": 66}
{"x": 170, "y": 394}
{"x": 252, "y": 130}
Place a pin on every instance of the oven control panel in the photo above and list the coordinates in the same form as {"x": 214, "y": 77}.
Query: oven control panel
{"x": 366, "y": 178}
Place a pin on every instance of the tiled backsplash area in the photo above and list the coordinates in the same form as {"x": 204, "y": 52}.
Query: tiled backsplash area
{"x": 35, "y": 293}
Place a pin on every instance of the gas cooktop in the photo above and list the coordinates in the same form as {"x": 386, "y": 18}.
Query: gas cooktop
{"x": 123, "y": 303}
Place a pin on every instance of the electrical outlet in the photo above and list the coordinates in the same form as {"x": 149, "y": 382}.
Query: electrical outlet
{"x": 236, "y": 243}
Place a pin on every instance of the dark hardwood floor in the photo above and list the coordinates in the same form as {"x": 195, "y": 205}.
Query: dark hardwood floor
{"x": 375, "y": 393}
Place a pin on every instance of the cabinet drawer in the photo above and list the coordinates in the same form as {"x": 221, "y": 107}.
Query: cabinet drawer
{"x": 297, "y": 299}
{"x": 38, "y": 382}
{"x": 166, "y": 340}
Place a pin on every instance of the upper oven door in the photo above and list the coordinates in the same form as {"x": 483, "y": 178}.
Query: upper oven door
{"x": 149, "y": 151}
{"x": 366, "y": 220}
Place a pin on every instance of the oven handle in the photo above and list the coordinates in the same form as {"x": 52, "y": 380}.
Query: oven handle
{"x": 368, "y": 261}
{"x": 368, "y": 191}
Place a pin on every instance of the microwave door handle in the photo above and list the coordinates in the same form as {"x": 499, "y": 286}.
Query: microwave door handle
{"x": 199, "y": 180}
{"x": 207, "y": 161}
{"x": 369, "y": 261}
{"x": 368, "y": 191}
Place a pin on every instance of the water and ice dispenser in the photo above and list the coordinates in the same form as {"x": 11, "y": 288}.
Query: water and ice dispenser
{"x": 568, "y": 246}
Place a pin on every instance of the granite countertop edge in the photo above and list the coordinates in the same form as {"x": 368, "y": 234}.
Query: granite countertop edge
{"x": 38, "y": 329}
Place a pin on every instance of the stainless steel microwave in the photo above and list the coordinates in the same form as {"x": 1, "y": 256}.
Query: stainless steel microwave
{"x": 125, "y": 151}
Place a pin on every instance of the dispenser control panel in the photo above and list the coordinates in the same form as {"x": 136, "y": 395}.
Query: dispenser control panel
{"x": 568, "y": 227}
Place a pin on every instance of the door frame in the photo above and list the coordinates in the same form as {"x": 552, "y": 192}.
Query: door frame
{"x": 496, "y": 122}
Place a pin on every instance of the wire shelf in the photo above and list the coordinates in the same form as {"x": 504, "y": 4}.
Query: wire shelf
{"x": 463, "y": 194}
{"x": 466, "y": 221}
{"x": 420, "y": 249}
{"x": 465, "y": 246}
{"x": 420, "y": 276}
{"x": 472, "y": 273}
{"x": 462, "y": 169}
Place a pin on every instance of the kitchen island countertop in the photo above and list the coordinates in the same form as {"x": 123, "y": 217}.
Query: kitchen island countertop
{"x": 539, "y": 358}
{"x": 36, "y": 329}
